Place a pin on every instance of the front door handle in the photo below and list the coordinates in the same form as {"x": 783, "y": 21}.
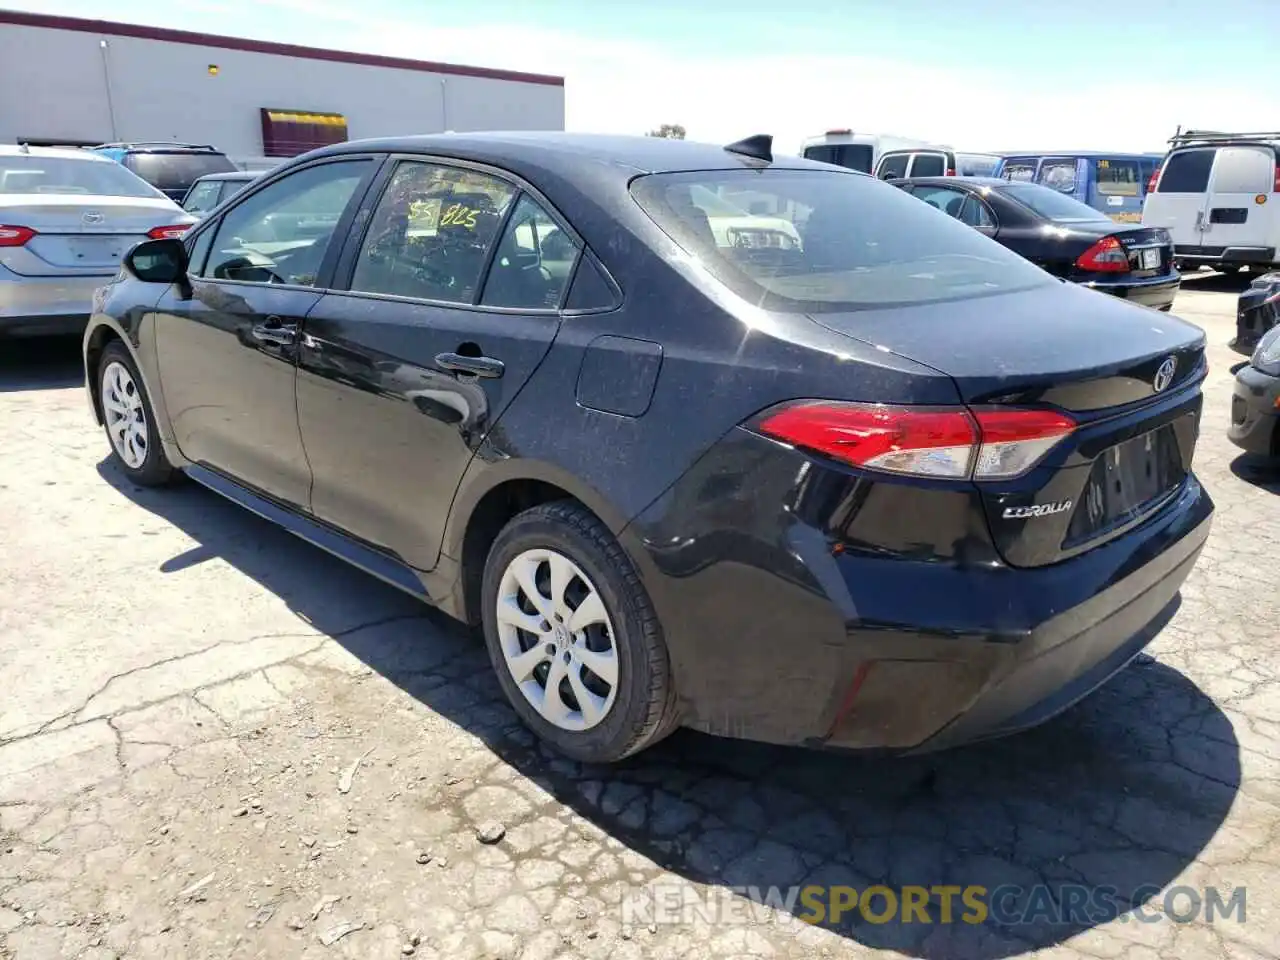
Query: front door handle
{"x": 274, "y": 332}
{"x": 476, "y": 366}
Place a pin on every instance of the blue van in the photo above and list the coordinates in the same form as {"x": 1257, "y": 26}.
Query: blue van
{"x": 1112, "y": 183}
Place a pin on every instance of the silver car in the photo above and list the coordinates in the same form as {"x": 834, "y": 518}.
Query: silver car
{"x": 66, "y": 219}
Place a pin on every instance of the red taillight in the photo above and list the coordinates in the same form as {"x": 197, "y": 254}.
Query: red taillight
{"x": 1155, "y": 178}
{"x": 950, "y": 172}
{"x": 985, "y": 444}
{"x": 14, "y": 236}
{"x": 171, "y": 232}
{"x": 1105, "y": 256}
{"x": 1276, "y": 186}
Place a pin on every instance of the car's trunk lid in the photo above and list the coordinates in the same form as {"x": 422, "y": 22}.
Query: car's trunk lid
{"x": 76, "y": 234}
{"x": 1104, "y": 361}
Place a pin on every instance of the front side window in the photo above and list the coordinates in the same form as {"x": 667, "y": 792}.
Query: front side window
{"x": 281, "y": 233}
{"x": 35, "y": 173}
{"x": 976, "y": 214}
{"x": 929, "y": 165}
{"x": 857, "y": 242}
{"x": 533, "y": 262}
{"x": 203, "y": 197}
{"x": 1058, "y": 175}
{"x": 431, "y": 234}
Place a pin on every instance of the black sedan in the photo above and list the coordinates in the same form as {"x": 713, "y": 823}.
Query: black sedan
{"x": 1255, "y": 401}
{"x": 1064, "y": 236}
{"x": 1257, "y": 311}
{"x": 760, "y": 447}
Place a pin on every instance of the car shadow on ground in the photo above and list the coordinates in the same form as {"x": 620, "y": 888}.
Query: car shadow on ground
{"x": 1209, "y": 281}
{"x": 40, "y": 363}
{"x": 1066, "y": 827}
{"x": 1262, "y": 472}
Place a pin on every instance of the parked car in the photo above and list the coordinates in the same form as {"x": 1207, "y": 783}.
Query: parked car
{"x": 210, "y": 190}
{"x": 934, "y": 161}
{"x": 854, "y": 151}
{"x": 1114, "y": 184}
{"x": 1062, "y": 235}
{"x": 1257, "y": 311}
{"x": 170, "y": 167}
{"x": 984, "y": 508}
{"x": 1218, "y": 194}
{"x": 1255, "y": 400}
{"x": 67, "y": 218}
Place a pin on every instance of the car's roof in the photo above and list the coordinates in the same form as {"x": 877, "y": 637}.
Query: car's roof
{"x": 972, "y": 181}
{"x": 563, "y": 154}
{"x": 1086, "y": 154}
{"x": 230, "y": 175}
{"x": 69, "y": 153}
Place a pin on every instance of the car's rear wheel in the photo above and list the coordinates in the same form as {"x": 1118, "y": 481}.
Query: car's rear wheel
{"x": 129, "y": 421}
{"x": 573, "y": 636}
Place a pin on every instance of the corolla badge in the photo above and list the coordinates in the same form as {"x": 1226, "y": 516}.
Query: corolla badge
{"x": 1036, "y": 510}
{"x": 1164, "y": 375}
{"x": 92, "y": 216}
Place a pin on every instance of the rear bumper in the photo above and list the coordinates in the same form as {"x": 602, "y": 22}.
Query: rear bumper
{"x": 779, "y": 632}
{"x": 1254, "y": 414}
{"x": 1242, "y": 256}
{"x": 1157, "y": 292}
{"x": 45, "y": 305}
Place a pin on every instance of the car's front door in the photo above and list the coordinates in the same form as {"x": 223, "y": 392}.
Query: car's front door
{"x": 453, "y": 301}
{"x": 227, "y": 344}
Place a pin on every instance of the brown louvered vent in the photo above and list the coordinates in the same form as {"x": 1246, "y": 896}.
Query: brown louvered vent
{"x": 287, "y": 133}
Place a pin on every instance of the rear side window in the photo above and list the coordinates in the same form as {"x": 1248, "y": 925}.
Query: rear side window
{"x": 1244, "y": 170}
{"x": 845, "y": 242}
{"x": 893, "y": 165}
{"x": 1058, "y": 175}
{"x": 853, "y": 156}
{"x": 176, "y": 171}
{"x": 929, "y": 165}
{"x": 1187, "y": 171}
{"x": 533, "y": 262}
{"x": 1117, "y": 178}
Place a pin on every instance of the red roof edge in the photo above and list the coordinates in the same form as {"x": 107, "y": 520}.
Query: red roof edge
{"x": 166, "y": 35}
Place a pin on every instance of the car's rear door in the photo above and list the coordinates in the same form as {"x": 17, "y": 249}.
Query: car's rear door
{"x": 452, "y": 302}
{"x": 1178, "y": 203}
{"x": 1238, "y": 210}
{"x": 227, "y": 343}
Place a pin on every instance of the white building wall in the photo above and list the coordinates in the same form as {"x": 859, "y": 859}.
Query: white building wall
{"x": 161, "y": 90}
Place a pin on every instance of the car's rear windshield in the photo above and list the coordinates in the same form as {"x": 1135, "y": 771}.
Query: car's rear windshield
{"x": 1051, "y": 204}
{"x": 177, "y": 171}
{"x": 818, "y": 241}
{"x": 67, "y": 175}
{"x": 852, "y": 156}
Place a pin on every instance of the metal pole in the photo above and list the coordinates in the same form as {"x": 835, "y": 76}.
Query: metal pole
{"x": 106, "y": 76}
{"x": 444, "y": 108}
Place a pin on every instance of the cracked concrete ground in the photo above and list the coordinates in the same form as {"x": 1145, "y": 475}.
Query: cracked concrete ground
{"x": 216, "y": 741}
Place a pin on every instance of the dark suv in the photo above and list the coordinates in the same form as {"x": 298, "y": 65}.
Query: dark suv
{"x": 169, "y": 167}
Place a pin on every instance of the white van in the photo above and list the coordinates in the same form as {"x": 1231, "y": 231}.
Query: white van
{"x": 1218, "y": 195}
{"x": 856, "y": 151}
{"x": 934, "y": 160}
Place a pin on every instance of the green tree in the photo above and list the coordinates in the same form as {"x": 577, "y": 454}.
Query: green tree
{"x": 671, "y": 131}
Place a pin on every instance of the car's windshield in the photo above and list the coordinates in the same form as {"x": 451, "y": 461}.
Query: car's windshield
{"x": 34, "y": 173}
{"x": 850, "y": 241}
{"x": 1051, "y": 204}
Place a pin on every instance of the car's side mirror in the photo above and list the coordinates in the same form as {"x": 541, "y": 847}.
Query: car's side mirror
{"x": 158, "y": 261}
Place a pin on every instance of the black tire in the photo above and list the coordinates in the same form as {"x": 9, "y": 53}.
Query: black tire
{"x": 644, "y": 707}
{"x": 155, "y": 470}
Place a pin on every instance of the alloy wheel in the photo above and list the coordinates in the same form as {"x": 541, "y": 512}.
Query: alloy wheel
{"x": 125, "y": 415}
{"x": 557, "y": 639}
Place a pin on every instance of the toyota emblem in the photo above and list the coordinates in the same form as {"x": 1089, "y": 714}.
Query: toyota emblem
{"x": 1164, "y": 375}
{"x": 92, "y": 216}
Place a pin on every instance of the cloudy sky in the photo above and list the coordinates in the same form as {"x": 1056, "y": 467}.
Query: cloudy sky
{"x": 981, "y": 74}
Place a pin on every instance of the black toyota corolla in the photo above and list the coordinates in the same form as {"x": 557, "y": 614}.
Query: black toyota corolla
{"x": 701, "y": 437}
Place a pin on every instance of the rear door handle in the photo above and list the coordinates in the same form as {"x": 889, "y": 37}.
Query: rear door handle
{"x": 273, "y": 331}
{"x": 476, "y": 366}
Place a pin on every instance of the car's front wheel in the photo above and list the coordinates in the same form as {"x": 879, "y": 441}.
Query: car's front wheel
{"x": 573, "y": 635}
{"x": 129, "y": 420}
